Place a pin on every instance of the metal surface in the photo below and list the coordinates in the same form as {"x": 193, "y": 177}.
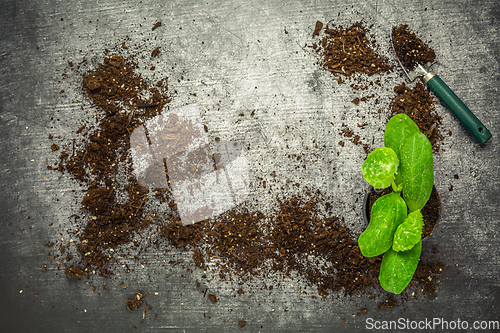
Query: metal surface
{"x": 241, "y": 57}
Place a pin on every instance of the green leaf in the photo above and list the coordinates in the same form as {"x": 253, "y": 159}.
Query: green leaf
{"x": 379, "y": 167}
{"x": 397, "y": 130}
{"x": 409, "y": 232}
{"x": 397, "y": 268}
{"x": 417, "y": 170}
{"x": 387, "y": 213}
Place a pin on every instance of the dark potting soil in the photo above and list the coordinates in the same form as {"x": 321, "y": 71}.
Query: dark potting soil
{"x": 410, "y": 49}
{"x": 354, "y": 138}
{"x": 317, "y": 28}
{"x": 427, "y": 274}
{"x": 346, "y": 51}
{"x": 75, "y": 271}
{"x": 246, "y": 242}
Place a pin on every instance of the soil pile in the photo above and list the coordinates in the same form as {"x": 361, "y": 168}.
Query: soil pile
{"x": 410, "y": 49}
{"x": 346, "y": 51}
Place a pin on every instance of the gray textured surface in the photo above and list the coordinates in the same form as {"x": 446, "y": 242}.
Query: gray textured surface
{"x": 246, "y": 62}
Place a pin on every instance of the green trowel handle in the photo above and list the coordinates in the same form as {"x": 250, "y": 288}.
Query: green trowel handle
{"x": 458, "y": 108}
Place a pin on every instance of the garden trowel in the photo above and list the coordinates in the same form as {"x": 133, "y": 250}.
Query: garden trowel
{"x": 448, "y": 97}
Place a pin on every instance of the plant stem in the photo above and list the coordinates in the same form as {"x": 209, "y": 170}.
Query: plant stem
{"x": 397, "y": 188}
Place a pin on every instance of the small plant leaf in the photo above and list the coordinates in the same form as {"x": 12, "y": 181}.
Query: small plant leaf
{"x": 417, "y": 170}
{"x": 380, "y": 167}
{"x": 387, "y": 213}
{"x": 397, "y": 268}
{"x": 397, "y": 130}
{"x": 409, "y": 232}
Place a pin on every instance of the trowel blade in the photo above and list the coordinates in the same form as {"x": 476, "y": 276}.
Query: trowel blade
{"x": 420, "y": 69}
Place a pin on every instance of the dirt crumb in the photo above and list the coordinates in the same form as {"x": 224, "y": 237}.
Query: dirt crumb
{"x": 317, "y": 28}
{"x": 155, "y": 52}
{"x": 389, "y": 303}
{"x": 156, "y": 26}
{"x": 212, "y": 298}
{"x": 135, "y": 302}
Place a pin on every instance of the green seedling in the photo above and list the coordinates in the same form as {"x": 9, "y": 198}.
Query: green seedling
{"x": 405, "y": 163}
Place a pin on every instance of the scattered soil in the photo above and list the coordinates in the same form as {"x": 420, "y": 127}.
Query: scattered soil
{"x": 242, "y": 323}
{"x": 238, "y": 237}
{"x": 418, "y": 104}
{"x": 431, "y": 212}
{"x": 362, "y": 311}
{"x": 410, "y": 49}
{"x": 321, "y": 251}
{"x": 426, "y": 276}
{"x": 389, "y": 303}
{"x": 354, "y": 138}
{"x": 198, "y": 259}
{"x": 347, "y": 51}
{"x": 115, "y": 213}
